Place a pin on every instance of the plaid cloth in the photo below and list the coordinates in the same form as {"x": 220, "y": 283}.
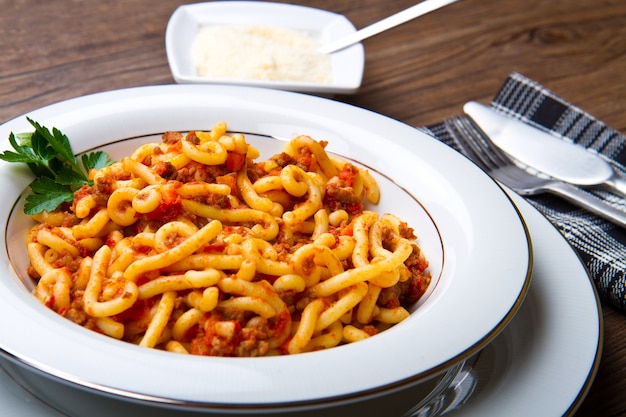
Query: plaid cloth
{"x": 600, "y": 244}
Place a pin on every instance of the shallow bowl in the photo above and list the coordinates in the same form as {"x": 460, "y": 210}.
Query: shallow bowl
{"x": 322, "y": 26}
{"x": 471, "y": 232}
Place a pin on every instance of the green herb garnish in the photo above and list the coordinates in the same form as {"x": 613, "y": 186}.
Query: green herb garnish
{"x": 50, "y": 157}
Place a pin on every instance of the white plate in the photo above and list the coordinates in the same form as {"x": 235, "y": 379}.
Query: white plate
{"x": 320, "y": 25}
{"x": 544, "y": 363}
{"x": 549, "y": 353}
{"x": 481, "y": 273}
{"x": 17, "y": 401}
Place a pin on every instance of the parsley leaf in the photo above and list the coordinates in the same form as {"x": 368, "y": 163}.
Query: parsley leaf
{"x": 24, "y": 153}
{"x": 55, "y": 143}
{"x": 95, "y": 160}
{"x": 47, "y": 196}
{"x": 67, "y": 176}
{"x": 50, "y": 157}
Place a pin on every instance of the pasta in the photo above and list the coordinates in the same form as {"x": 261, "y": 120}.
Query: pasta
{"x": 191, "y": 245}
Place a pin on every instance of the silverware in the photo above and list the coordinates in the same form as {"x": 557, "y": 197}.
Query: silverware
{"x": 479, "y": 148}
{"x": 389, "y": 22}
{"x": 544, "y": 152}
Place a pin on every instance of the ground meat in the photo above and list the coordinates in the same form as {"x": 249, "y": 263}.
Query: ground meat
{"x": 339, "y": 196}
{"x": 166, "y": 170}
{"x": 406, "y": 231}
{"x": 283, "y": 159}
{"x": 193, "y": 171}
{"x": 247, "y": 339}
{"x": 102, "y": 189}
{"x": 78, "y": 316}
{"x": 171, "y": 137}
{"x": 217, "y": 200}
{"x": 192, "y": 138}
{"x": 70, "y": 220}
{"x": 255, "y": 172}
{"x": 410, "y": 291}
{"x": 32, "y": 272}
{"x": 76, "y": 312}
{"x": 287, "y": 242}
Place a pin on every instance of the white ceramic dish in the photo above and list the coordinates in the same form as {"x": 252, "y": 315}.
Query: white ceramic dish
{"x": 480, "y": 262}
{"x": 544, "y": 363}
{"x": 562, "y": 353}
{"x": 321, "y": 25}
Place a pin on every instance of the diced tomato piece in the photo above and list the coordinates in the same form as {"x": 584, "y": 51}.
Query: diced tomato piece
{"x": 235, "y": 161}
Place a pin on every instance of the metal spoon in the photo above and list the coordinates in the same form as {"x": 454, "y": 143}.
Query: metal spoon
{"x": 394, "y": 20}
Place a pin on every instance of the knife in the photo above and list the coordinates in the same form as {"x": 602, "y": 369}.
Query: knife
{"x": 546, "y": 153}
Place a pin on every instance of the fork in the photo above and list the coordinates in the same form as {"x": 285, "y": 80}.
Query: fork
{"x": 480, "y": 149}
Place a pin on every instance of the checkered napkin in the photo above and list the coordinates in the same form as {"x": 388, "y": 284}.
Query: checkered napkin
{"x": 600, "y": 244}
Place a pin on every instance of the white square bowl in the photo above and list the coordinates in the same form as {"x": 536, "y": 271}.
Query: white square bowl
{"x": 323, "y": 26}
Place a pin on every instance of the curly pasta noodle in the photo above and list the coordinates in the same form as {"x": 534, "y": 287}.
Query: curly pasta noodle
{"x": 193, "y": 246}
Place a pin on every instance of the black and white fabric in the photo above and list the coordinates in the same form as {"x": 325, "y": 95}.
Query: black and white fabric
{"x": 600, "y": 244}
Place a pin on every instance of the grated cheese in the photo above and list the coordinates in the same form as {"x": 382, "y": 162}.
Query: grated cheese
{"x": 260, "y": 53}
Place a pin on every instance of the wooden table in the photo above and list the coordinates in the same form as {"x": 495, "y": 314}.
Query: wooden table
{"x": 418, "y": 73}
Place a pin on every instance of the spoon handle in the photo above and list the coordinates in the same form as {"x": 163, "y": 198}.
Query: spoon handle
{"x": 399, "y": 18}
{"x": 617, "y": 184}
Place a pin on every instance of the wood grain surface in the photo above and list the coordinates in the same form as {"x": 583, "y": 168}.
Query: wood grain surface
{"x": 418, "y": 73}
